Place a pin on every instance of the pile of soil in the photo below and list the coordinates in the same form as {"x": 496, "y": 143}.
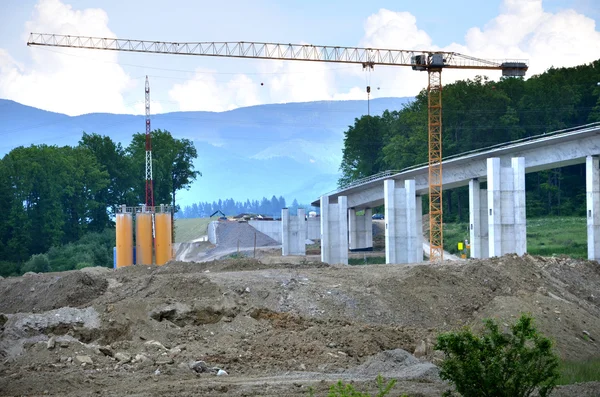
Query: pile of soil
{"x": 276, "y": 329}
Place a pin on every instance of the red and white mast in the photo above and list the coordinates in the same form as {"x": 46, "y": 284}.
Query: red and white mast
{"x": 149, "y": 182}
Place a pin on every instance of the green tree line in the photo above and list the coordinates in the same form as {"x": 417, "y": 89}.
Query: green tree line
{"x": 479, "y": 113}
{"x": 58, "y": 200}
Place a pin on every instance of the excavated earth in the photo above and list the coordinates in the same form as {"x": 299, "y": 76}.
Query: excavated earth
{"x": 276, "y": 329}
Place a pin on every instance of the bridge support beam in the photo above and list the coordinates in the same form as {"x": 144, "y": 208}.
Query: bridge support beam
{"x": 478, "y": 220}
{"x": 401, "y": 223}
{"x": 293, "y": 233}
{"x": 334, "y": 231}
{"x": 592, "y": 177}
{"x": 360, "y": 229}
{"x": 506, "y": 207}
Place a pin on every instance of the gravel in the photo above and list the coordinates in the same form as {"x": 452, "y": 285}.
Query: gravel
{"x": 233, "y": 234}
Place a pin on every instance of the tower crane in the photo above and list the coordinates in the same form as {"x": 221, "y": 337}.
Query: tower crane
{"x": 433, "y": 62}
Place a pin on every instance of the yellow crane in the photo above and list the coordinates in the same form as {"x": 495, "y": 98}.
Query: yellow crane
{"x": 431, "y": 61}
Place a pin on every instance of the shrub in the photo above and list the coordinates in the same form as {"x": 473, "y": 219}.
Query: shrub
{"x": 499, "y": 364}
{"x": 37, "y": 263}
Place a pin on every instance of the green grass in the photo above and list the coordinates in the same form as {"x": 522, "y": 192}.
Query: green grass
{"x": 576, "y": 372}
{"x": 453, "y": 234}
{"x": 191, "y": 229}
{"x": 370, "y": 260}
{"x": 557, "y": 236}
{"x": 545, "y": 236}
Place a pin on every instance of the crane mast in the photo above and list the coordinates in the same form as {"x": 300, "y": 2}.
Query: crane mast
{"x": 149, "y": 182}
{"x": 431, "y": 61}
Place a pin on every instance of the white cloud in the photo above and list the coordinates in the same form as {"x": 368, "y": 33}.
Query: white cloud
{"x": 524, "y": 30}
{"x": 67, "y": 81}
{"x": 204, "y": 92}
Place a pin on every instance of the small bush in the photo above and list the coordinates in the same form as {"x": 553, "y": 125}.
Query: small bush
{"x": 499, "y": 364}
{"x": 37, "y": 263}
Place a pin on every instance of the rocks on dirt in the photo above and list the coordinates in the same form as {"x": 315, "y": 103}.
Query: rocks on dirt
{"x": 107, "y": 351}
{"x": 280, "y": 327}
{"x": 154, "y": 345}
{"x": 421, "y": 349}
{"x": 51, "y": 343}
{"x": 123, "y": 358}
{"x": 201, "y": 367}
{"x": 586, "y": 333}
{"x": 396, "y": 363}
{"x": 84, "y": 360}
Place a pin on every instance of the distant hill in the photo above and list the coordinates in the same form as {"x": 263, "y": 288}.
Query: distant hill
{"x": 290, "y": 149}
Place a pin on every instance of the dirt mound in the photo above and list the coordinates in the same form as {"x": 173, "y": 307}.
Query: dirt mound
{"x": 241, "y": 234}
{"x": 41, "y": 292}
{"x": 275, "y": 329}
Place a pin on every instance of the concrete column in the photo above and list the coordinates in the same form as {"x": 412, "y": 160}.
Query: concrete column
{"x": 520, "y": 233}
{"x": 352, "y": 229}
{"x": 360, "y": 230}
{"x": 342, "y": 248}
{"x": 411, "y": 220}
{"x": 478, "y": 220}
{"x": 368, "y": 228}
{"x": 592, "y": 182}
{"x": 419, "y": 231}
{"x": 506, "y": 205}
{"x": 400, "y": 222}
{"x": 293, "y": 233}
{"x": 334, "y": 230}
{"x": 285, "y": 232}
{"x": 325, "y": 240}
{"x": 389, "y": 199}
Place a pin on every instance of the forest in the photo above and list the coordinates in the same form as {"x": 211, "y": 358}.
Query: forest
{"x": 479, "y": 113}
{"x": 59, "y": 201}
{"x": 230, "y": 207}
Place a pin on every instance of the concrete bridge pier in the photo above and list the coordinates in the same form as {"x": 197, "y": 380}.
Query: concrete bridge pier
{"x": 592, "y": 177}
{"x": 403, "y": 240}
{"x": 334, "y": 230}
{"x": 293, "y": 233}
{"x": 507, "y": 227}
{"x": 360, "y": 230}
{"x": 478, "y": 220}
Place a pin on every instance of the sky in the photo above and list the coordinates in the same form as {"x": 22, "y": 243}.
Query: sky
{"x": 548, "y": 33}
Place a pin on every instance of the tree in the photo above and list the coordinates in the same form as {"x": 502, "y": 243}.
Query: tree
{"x": 172, "y": 165}
{"x": 362, "y": 154}
{"x": 114, "y": 160}
{"x": 498, "y": 364}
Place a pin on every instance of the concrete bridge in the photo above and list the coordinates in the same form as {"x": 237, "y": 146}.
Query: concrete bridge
{"x": 497, "y": 213}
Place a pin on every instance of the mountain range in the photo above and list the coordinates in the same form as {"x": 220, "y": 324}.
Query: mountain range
{"x": 292, "y": 150}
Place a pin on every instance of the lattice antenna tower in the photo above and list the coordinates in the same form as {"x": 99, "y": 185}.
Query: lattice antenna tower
{"x": 149, "y": 181}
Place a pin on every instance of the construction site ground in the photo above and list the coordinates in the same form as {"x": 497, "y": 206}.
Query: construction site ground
{"x": 276, "y": 329}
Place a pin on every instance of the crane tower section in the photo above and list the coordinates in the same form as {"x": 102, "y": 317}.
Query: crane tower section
{"x": 149, "y": 181}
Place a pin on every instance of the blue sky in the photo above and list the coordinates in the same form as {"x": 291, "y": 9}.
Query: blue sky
{"x": 548, "y": 33}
